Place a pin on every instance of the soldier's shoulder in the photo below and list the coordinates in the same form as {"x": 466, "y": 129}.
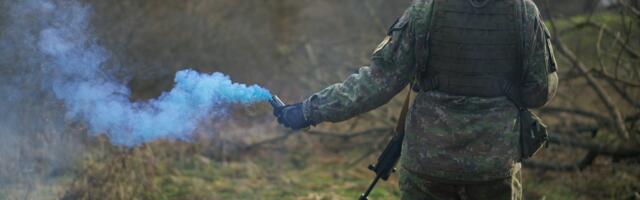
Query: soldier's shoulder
{"x": 531, "y": 9}
{"x": 421, "y": 2}
{"x": 419, "y": 9}
{"x": 421, "y": 5}
{"x": 534, "y": 18}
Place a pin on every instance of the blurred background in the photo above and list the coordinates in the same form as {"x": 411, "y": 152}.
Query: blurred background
{"x": 294, "y": 48}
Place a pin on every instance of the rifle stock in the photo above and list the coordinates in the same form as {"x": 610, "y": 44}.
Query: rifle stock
{"x": 391, "y": 154}
{"x": 386, "y": 163}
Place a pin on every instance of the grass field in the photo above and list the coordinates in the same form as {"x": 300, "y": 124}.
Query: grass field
{"x": 302, "y": 166}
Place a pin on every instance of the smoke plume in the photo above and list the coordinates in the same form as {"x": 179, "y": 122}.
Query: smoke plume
{"x": 57, "y": 38}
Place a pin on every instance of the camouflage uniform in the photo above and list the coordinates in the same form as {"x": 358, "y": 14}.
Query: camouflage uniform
{"x": 455, "y": 146}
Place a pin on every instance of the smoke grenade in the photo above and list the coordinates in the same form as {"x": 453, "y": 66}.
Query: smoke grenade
{"x": 58, "y": 39}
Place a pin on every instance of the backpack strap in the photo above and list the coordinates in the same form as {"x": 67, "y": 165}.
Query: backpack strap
{"x": 402, "y": 119}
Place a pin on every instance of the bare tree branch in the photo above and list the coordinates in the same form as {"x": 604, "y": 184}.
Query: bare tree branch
{"x": 633, "y": 10}
{"x": 601, "y": 74}
{"x": 614, "y": 112}
{"x": 347, "y": 136}
{"x": 625, "y": 45}
{"x": 611, "y": 80}
{"x": 594, "y": 147}
{"x": 269, "y": 141}
{"x": 624, "y": 94}
{"x": 577, "y": 128}
{"x": 574, "y": 111}
{"x": 577, "y": 166}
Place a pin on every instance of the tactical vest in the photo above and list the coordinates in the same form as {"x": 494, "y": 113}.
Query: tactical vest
{"x": 474, "y": 48}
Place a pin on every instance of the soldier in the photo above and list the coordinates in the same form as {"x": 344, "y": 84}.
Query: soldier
{"x": 466, "y": 56}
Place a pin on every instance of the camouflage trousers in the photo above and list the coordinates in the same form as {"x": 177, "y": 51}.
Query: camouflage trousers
{"x": 415, "y": 187}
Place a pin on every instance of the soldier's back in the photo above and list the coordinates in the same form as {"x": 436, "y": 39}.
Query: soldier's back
{"x": 462, "y": 127}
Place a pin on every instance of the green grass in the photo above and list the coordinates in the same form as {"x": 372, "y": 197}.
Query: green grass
{"x": 548, "y": 189}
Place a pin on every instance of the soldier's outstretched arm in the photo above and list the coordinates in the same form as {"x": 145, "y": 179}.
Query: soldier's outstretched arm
{"x": 540, "y": 77}
{"x": 392, "y": 68}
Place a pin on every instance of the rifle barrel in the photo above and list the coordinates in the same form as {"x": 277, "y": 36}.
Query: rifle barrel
{"x": 365, "y": 196}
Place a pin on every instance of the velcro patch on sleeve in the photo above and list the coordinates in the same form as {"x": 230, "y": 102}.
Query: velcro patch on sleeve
{"x": 382, "y": 44}
{"x": 399, "y": 24}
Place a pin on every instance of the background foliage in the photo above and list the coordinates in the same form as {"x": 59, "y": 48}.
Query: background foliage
{"x": 296, "y": 47}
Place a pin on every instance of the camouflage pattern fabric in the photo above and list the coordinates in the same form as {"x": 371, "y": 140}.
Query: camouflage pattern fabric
{"x": 540, "y": 81}
{"x": 458, "y": 138}
{"x": 415, "y": 187}
{"x": 461, "y": 138}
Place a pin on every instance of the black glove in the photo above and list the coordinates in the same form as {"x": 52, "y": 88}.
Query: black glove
{"x": 291, "y": 116}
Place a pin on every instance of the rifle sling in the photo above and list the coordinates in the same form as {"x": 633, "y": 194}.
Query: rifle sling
{"x": 403, "y": 114}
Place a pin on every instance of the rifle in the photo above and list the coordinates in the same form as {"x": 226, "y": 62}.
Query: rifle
{"x": 389, "y": 157}
{"x": 391, "y": 154}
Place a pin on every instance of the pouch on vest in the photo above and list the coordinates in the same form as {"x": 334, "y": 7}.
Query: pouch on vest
{"x": 532, "y": 130}
{"x": 533, "y": 133}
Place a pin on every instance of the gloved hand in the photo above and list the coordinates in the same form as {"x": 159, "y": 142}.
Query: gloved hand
{"x": 291, "y": 116}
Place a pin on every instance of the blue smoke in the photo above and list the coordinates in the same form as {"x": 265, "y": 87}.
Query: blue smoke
{"x": 73, "y": 63}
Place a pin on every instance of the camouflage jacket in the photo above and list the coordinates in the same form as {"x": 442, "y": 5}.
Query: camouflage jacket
{"x": 449, "y": 137}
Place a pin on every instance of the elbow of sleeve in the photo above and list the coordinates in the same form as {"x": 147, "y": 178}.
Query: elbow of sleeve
{"x": 535, "y": 102}
{"x": 553, "y": 85}
{"x": 540, "y": 96}
{"x": 535, "y": 96}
